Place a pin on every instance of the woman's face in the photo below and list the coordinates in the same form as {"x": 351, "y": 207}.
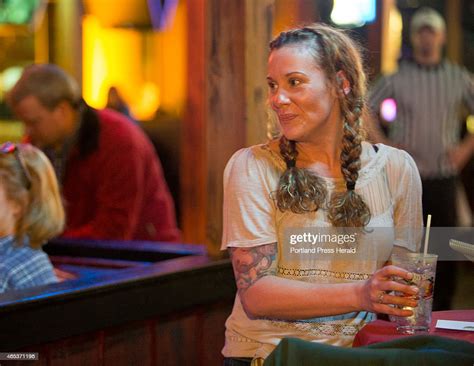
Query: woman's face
{"x": 300, "y": 94}
{"x": 9, "y": 212}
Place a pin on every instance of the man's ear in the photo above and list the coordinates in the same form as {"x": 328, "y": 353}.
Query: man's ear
{"x": 65, "y": 117}
{"x": 443, "y": 39}
{"x": 342, "y": 82}
{"x": 63, "y": 108}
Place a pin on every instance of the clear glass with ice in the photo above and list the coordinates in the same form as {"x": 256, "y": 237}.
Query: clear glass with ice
{"x": 423, "y": 268}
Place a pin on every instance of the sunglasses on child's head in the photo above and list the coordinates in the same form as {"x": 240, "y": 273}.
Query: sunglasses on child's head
{"x": 11, "y": 148}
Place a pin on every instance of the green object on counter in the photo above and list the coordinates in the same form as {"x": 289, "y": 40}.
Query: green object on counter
{"x": 416, "y": 350}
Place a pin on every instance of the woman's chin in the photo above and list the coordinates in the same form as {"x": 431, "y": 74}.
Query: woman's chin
{"x": 297, "y": 137}
{"x": 291, "y": 134}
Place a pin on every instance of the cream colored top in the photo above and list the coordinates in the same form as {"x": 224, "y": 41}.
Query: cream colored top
{"x": 390, "y": 184}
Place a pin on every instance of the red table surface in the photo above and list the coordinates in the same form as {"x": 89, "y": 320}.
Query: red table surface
{"x": 383, "y": 331}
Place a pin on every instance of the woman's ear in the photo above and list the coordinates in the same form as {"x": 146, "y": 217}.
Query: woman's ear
{"x": 16, "y": 209}
{"x": 342, "y": 82}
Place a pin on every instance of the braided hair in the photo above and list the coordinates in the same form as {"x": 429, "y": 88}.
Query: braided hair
{"x": 300, "y": 190}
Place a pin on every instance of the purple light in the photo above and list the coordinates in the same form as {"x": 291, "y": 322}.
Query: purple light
{"x": 388, "y": 110}
{"x": 162, "y": 12}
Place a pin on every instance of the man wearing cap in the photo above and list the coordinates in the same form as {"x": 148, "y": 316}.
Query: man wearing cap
{"x": 429, "y": 93}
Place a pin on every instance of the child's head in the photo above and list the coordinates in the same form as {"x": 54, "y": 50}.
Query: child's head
{"x": 30, "y": 190}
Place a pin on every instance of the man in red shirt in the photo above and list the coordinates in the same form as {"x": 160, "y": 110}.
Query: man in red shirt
{"x": 112, "y": 180}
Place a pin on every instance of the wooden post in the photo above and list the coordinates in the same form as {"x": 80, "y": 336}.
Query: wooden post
{"x": 226, "y": 101}
{"x": 375, "y": 32}
{"x": 454, "y": 31}
{"x": 193, "y": 152}
{"x": 226, "y": 56}
{"x": 259, "y": 27}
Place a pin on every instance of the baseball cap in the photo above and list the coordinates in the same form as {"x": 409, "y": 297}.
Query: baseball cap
{"x": 427, "y": 17}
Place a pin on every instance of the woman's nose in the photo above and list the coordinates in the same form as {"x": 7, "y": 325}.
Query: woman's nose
{"x": 280, "y": 99}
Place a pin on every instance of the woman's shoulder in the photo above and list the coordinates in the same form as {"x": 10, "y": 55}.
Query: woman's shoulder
{"x": 382, "y": 153}
{"x": 397, "y": 163}
{"x": 397, "y": 158}
{"x": 253, "y": 166}
{"x": 379, "y": 159}
{"x": 259, "y": 156}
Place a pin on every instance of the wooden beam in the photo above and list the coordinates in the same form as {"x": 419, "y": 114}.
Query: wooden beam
{"x": 227, "y": 52}
{"x": 193, "y": 152}
{"x": 375, "y": 31}
{"x": 226, "y": 99}
{"x": 454, "y": 31}
{"x": 259, "y": 27}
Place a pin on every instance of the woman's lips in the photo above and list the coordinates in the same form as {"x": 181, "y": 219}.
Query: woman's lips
{"x": 286, "y": 117}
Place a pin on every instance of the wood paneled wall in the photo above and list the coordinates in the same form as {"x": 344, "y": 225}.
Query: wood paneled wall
{"x": 193, "y": 338}
{"x": 226, "y": 101}
{"x": 258, "y": 21}
{"x": 226, "y": 111}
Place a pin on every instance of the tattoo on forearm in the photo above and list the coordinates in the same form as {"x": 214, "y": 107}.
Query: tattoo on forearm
{"x": 251, "y": 264}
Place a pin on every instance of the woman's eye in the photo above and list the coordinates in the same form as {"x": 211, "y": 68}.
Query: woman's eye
{"x": 295, "y": 82}
{"x": 272, "y": 85}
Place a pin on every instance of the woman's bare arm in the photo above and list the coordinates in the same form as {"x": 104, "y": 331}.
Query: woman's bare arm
{"x": 264, "y": 295}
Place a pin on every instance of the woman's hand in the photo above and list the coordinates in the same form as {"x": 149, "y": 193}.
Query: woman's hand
{"x": 375, "y": 291}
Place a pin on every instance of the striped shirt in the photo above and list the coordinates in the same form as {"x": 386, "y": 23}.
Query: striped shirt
{"x": 428, "y": 121}
{"x": 23, "y": 267}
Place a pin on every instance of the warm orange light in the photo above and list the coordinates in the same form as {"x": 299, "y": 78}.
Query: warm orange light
{"x": 94, "y": 62}
{"x": 148, "y": 67}
{"x": 113, "y": 57}
{"x": 168, "y": 62}
{"x": 148, "y": 101}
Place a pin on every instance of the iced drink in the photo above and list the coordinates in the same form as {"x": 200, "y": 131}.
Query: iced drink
{"x": 423, "y": 268}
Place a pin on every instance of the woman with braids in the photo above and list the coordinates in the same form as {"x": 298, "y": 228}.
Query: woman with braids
{"x": 318, "y": 174}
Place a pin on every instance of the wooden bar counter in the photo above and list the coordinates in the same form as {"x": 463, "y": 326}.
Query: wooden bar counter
{"x": 155, "y": 304}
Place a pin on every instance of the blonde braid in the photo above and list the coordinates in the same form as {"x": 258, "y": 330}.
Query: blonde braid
{"x": 348, "y": 209}
{"x": 299, "y": 190}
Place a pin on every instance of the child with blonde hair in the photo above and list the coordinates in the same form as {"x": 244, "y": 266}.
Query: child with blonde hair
{"x": 31, "y": 213}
